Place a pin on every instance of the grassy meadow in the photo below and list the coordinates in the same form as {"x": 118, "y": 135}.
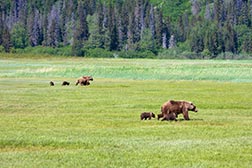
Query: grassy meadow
{"x": 99, "y": 125}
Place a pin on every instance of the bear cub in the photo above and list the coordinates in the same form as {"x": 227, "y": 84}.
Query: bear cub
{"x": 65, "y": 83}
{"x": 51, "y": 83}
{"x": 146, "y": 115}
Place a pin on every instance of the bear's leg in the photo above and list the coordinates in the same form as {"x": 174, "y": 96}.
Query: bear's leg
{"x": 173, "y": 116}
{"x": 160, "y": 116}
{"x": 186, "y": 116}
{"x": 166, "y": 117}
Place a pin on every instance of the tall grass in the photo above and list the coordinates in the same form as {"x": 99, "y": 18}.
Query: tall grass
{"x": 99, "y": 125}
{"x": 237, "y": 71}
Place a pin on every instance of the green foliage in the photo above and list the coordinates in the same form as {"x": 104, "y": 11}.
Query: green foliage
{"x": 19, "y": 36}
{"x": 217, "y": 26}
{"x": 2, "y": 49}
{"x": 136, "y": 54}
{"x": 172, "y": 8}
{"x": 40, "y": 50}
{"x": 99, "y": 53}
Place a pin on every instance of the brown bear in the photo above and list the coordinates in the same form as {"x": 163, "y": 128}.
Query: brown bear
{"x": 51, "y": 83}
{"x": 146, "y": 115}
{"x": 84, "y": 80}
{"x": 177, "y": 107}
{"x": 65, "y": 83}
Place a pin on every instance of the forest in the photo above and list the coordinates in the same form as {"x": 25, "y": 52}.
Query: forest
{"x": 194, "y": 29}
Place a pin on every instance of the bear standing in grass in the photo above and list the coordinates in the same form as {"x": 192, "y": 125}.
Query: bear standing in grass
{"x": 65, "y": 83}
{"x": 51, "y": 83}
{"x": 173, "y": 108}
{"x": 84, "y": 80}
{"x": 146, "y": 115}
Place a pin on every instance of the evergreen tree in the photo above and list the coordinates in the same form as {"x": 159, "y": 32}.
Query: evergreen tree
{"x": 195, "y": 7}
{"x": 244, "y": 14}
{"x": 231, "y": 43}
{"x": 219, "y": 10}
{"x": 112, "y": 27}
{"x": 81, "y": 33}
{"x": 247, "y": 43}
{"x": 152, "y": 26}
{"x": 197, "y": 40}
{"x": 19, "y": 37}
{"x": 1, "y": 25}
{"x": 211, "y": 41}
{"x": 77, "y": 42}
{"x": 159, "y": 28}
{"x": 208, "y": 12}
{"x": 137, "y": 22}
{"x": 34, "y": 28}
{"x": 82, "y": 21}
{"x": 6, "y": 39}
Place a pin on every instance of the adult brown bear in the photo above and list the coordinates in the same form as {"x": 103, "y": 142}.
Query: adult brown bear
{"x": 177, "y": 107}
{"x": 84, "y": 80}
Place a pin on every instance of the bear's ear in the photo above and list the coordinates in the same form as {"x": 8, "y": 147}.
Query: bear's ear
{"x": 172, "y": 101}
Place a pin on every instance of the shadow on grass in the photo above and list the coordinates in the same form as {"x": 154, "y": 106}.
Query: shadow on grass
{"x": 194, "y": 119}
{"x": 182, "y": 119}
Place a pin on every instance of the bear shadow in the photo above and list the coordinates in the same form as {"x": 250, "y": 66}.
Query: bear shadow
{"x": 194, "y": 119}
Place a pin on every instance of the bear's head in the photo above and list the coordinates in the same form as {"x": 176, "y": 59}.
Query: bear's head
{"x": 191, "y": 107}
{"x": 88, "y": 78}
{"x": 153, "y": 115}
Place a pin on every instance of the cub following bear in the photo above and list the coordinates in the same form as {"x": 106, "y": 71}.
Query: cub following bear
{"x": 146, "y": 115}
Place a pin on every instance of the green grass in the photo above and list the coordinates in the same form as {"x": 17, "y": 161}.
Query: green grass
{"x": 99, "y": 125}
{"x": 147, "y": 69}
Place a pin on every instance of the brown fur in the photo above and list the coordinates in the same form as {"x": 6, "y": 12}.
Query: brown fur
{"x": 84, "y": 80}
{"x": 170, "y": 116}
{"x": 146, "y": 115}
{"x": 177, "y": 107}
{"x": 65, "y": 83}
{"x": 51, "y": 83}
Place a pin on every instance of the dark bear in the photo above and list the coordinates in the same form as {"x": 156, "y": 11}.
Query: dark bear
{"x": 146, "y": 115}
{"x": 51, "y": 83}
{"x": 84, "y": 80}
{"x": 65, "y": 83}
{"x": 177, "y": 107}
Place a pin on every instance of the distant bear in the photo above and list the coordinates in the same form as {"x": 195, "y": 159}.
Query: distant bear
{"x": 84, "y": 80}
{"x": 51, "y": 83}
{"x": 146, "y": 115}
{"x": 177, "y": 107}
{"x": 65, "y": 83}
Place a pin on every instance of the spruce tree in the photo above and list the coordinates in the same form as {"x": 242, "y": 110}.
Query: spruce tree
{"x": 6, "y": 39}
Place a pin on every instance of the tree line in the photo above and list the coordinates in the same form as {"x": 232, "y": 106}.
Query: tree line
{"x": 129, "y": 28}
